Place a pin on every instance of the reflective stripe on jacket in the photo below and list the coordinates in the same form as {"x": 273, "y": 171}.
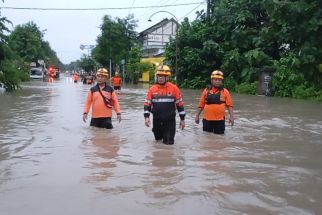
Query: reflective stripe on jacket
{"x": 163, "y": 100}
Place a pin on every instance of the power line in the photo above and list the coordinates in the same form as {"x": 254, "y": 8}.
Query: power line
{"x": 150, "y": 11}
{"x": 168, "y": 27}
{"x": 95, "y": 9}
{"x": 186, "y": 15}
{"x": 131, "y": 6}
{"x": 192, "y": 10}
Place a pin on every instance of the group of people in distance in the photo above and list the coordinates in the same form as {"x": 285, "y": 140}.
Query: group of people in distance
{"x": 163, "y": 99}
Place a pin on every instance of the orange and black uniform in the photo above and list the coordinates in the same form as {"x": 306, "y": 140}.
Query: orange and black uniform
{"x": 214, "y": 102}
{"x": 162, "y": 101}
{"x": 75, "y": 77}
{"x": 90, "y": 80}
{"x": 101, "y": 113}
{"x": 116, "y": 82}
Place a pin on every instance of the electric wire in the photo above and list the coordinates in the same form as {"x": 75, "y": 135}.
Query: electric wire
{"x": 148, "y": 12}
{"x": 95, "y": 9}
{"x": 131, "y": 6}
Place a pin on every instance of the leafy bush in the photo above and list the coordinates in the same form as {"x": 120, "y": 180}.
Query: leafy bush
{"x": 302, "y": 92}
{"x": 287, "y": 76}
{"x": 247, "y": 88}
{"x": 9, "y": 75}
{"x": 230, "y": 84}
{"x": 318, "y": 96}
{"x": 23, "y": 75}
{"x": 195, "y": 83}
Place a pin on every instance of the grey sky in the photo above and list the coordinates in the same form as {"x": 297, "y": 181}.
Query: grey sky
{"x": 67, "y": 30}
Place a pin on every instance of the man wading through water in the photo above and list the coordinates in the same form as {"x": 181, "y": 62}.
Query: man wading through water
{"x": 102, "y": 99}
{"x": 214, "y": 100}
{"x": 162, "y": 100}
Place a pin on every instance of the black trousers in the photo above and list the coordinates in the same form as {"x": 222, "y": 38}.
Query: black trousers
{"x": 215, "y": 126}
{"x": 104, "y": 122}
{"x": 164, "y": 130}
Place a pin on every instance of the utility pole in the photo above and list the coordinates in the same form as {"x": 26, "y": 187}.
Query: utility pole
{"x": 123, "y": 76}
{"x": 110, "y": 68}
{"x": 208, "y": 9}
{"x": 110, "y": 51}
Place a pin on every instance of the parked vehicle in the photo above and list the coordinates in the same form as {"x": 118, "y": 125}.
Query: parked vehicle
{"x": 37, "y": 73}
{"x": 2, "y": 88}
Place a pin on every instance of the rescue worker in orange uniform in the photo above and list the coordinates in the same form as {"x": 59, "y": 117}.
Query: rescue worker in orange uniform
{"x": 102, "y": 98}
{"x": 214, "y": 100}
{"x": 89, "y": 79}
{"x": 75, "y": 77}
{"x": 116, "y": 81}
{"x": 162, "y": 100}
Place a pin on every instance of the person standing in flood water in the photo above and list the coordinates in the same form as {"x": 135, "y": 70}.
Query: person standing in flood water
{"x": 102, "y": 98}
{"x": 214, "y": 100}
{"x": 116, "y": 81}
{"x": 162, "y": 100}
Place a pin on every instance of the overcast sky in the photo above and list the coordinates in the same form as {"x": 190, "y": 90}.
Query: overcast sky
{"x": 67, "y": 30}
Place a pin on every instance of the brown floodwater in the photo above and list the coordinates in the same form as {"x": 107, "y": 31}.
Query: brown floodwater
{"x": 51, "y": 162}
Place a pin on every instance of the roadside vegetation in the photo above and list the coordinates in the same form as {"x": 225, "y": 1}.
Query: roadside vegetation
{"x": 18, "y": 48}
{"x": 242, "y": 38}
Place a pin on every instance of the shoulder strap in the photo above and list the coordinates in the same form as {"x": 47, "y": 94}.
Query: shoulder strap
{"x": 107, "y": 101}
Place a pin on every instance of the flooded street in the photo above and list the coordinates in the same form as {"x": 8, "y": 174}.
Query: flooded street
{"x": 51, "y": 162}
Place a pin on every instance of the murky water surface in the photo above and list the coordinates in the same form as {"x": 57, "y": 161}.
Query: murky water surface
{"x": 52, "y": 163}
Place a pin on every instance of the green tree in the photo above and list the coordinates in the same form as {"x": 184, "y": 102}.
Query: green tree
{"x": 74, "y": 65}
{"x": 10, "y": 75}
{"x": 299, "y": 26}
{"x": 116, "y": 39}
{"x": 27, "y": 42}
{"x": 3, "y": 37}
{"x": 134, "y": 67}
{"x": 244, "y": 38}
{"x": 87, "y": 63}
{"x": 17, "y": 50}
{"x": 50, "y": 55}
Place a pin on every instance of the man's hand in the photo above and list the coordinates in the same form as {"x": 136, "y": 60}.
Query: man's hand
{"x": 231, "y": 120}
{"x": 197, "y": 119}
{"x": 119, "y": 118}
{"x": 182, "y": 124}
{"x": 147, "y": 121}
{"x": 84, "y": 117}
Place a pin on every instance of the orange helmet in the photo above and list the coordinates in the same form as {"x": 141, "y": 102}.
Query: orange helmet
{"x": 217, "y": 74}
{"x": 163, "y": 70}
{"x": 102, "y": 71}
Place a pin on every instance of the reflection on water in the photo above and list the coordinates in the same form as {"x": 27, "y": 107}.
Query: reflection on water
{"x": 53, "y": 163}
{"x": 102, "y": 153}
{"x": 164, "y": 174}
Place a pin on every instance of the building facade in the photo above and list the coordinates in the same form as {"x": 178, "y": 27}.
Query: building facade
{"x": 155, "y": 38}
